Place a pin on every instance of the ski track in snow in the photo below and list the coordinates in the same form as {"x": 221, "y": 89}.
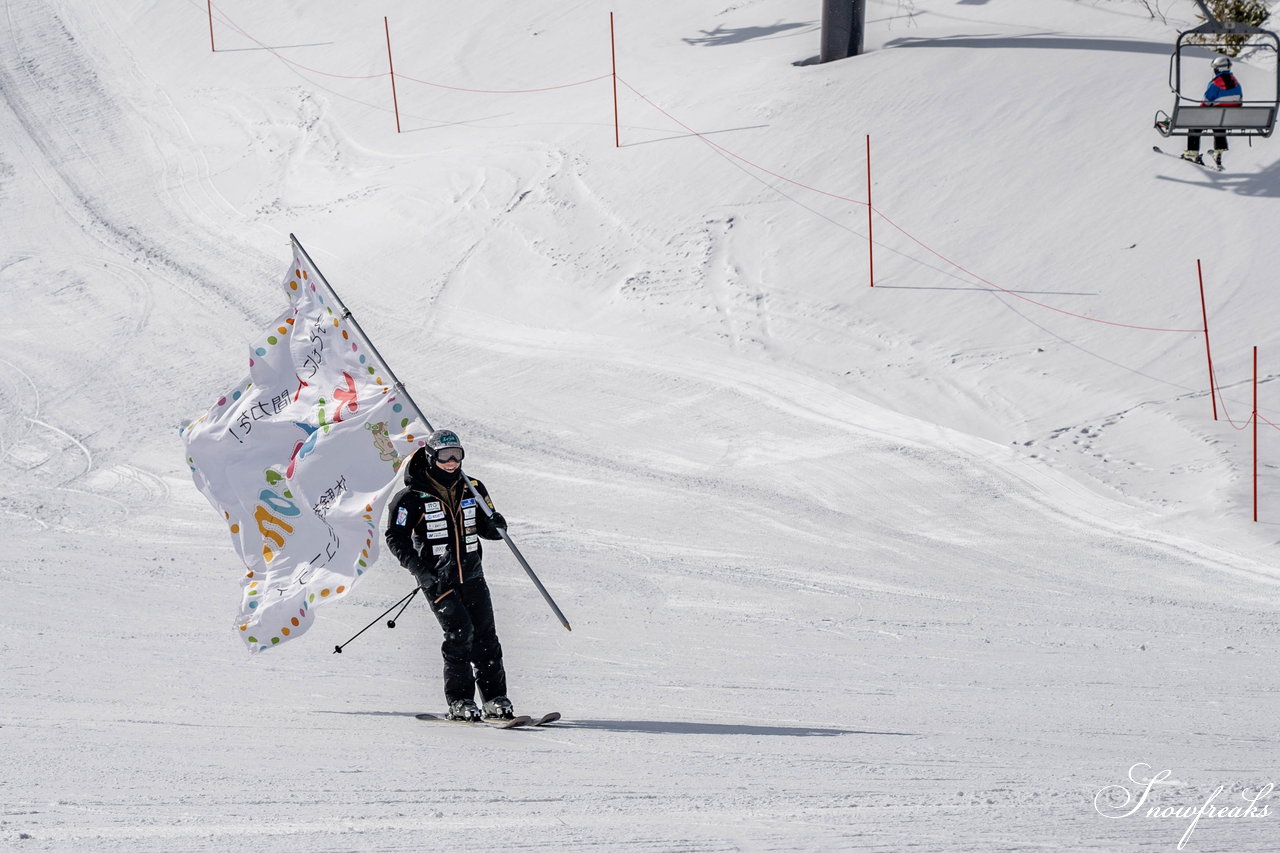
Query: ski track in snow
{"x": 846, "y": 570}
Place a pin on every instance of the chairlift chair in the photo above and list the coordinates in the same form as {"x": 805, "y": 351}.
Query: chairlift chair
{"x": 1252, "y": 117}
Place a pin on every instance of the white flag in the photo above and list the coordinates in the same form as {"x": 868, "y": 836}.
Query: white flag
{"x": 299, "y": 459}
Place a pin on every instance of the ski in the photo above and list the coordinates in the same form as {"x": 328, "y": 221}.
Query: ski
{"x": 513, "y": 723}
{"x": 1210, "y": 164}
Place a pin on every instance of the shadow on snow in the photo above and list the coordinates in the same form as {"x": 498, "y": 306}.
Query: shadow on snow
{"x": 1261, "y": 184}
{"x": 736, "y": 35}
{"x": 671, "y": 727}
{"x": 1037, "y": 41}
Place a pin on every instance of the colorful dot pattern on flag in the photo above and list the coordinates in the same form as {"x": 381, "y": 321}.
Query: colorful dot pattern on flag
{"x": 315, "y": 315}
{"x": 301, "y": 279}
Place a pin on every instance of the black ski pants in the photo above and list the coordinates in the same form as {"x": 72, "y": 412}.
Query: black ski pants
{"x": 472, "y": 653}
{"x": 1193, "y": 140}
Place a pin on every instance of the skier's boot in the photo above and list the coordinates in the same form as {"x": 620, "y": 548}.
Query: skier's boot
{"x": 498, "y": 708}
{"x": 464, "y": 709}
{"x": 1217, "y": 156}
{"x": 1193, "y": 156}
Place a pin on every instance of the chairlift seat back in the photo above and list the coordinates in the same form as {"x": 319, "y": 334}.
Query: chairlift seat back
{"x": 1233, "y": 121}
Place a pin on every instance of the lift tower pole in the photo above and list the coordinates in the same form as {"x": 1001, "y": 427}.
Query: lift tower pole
{"x": 843, "y": 23}
{"x": 1208, "y": 16}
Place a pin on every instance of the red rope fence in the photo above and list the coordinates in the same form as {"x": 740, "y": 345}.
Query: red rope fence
{"x": 1215, "y": 393}
{"x": 953, "y": 263}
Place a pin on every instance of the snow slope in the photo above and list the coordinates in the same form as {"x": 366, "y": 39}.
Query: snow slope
{"x": 923, "y": 566}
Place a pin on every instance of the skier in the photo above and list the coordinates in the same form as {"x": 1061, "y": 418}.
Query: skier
{"x": 433, "y": 530}
{"x": 1224, "y": 91}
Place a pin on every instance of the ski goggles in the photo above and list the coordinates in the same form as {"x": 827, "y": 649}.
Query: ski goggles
{"x": 450, "y": 454}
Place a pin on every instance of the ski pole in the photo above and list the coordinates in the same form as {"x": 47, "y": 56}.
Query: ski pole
{"x": 391, "y": 623}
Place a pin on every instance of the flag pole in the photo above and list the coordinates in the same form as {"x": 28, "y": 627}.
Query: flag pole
{"x": 399, "y": 388}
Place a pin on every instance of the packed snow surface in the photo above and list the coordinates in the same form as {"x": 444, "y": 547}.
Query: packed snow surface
{"x": 950, "y": 563}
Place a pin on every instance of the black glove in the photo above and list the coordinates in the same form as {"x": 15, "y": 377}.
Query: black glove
{"x": 498, "y": 521}
{"x": 425, "y": 577}
{"x": 445, "y": 581}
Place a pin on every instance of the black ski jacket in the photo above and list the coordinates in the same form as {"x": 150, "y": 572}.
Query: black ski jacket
{"x": 435, "y": 527}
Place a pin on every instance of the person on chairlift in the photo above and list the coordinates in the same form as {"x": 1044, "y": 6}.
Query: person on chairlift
{"x": 1224, "y": 91}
